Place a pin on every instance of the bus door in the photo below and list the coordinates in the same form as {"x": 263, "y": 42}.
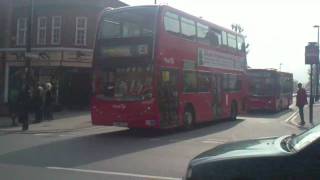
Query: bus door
{"x": 168, "y": 97}
{"x": 217, "y": 96}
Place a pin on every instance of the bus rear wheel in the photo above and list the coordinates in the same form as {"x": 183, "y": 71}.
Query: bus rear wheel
{"x": 234, "y": 111}
{"x": 188, "y": 119}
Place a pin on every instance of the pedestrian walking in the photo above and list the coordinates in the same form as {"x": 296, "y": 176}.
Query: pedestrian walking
{"x": 48, "y": 102}
{"x": 23, "y": 105}
{"x": 13, "y": 106}
{"x": 38, "y": 104}
{"x": 301, "y": 102}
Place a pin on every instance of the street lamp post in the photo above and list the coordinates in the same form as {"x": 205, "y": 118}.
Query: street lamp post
{"x": 317, "y": 69}
{"x": 238, "y": 29}
{"x": 280, "y": 65}
{"x": 29, "y": 45}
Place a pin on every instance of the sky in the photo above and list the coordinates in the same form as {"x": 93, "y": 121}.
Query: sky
{"x": 276, "y": 30}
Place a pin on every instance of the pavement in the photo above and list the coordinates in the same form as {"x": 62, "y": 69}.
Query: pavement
{"x": 62, "y": 122}
{"x": 295, "y": 118}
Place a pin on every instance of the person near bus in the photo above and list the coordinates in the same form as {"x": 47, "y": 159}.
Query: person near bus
{"x": 301, "y": 102}
{"x": 23, "y": 107}
{"x": 48, "y": 102}
{"x": 38, "y": 104}
{"x": 12, "y": 104}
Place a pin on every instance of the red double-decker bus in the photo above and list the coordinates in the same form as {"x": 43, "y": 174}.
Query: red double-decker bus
{"x": 269, "y": 90}
{"x": 158, "y": 67}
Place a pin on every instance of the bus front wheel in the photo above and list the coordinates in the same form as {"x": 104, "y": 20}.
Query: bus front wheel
{"x": 234, "y": 111}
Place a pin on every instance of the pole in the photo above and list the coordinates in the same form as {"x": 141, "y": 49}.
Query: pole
{"x": 311, "y": 96}
{"x": 317, "y": 75}
{"x": 29, "y": 45}
{"x": 280, "y": 67}
{"x": 155, "y": 1}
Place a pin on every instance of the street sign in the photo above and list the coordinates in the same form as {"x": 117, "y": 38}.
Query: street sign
{"x": 32, "y": 55}
{"x": 312, "y": 53}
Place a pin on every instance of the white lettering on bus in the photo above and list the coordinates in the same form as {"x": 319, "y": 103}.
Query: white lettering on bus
{"x": 119, "y": 106}
{"x": 169, "y": 60}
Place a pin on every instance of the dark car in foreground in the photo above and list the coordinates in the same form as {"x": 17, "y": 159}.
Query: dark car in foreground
{"x": 286, "y": 157}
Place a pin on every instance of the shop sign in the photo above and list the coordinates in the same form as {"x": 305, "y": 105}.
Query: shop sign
{"x": 77, "y": 56}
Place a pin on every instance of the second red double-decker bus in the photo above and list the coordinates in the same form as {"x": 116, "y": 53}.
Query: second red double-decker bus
{"x": 269, "y": 90}
{"x": 158, "y": 67}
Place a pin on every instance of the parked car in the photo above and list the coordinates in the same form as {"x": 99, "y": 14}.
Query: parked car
{"x": 285, "y": 157}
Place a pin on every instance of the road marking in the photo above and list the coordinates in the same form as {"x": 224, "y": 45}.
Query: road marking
{"x": 213, "y": 141}
{"x": 291, "y": 125}
{"x": 67, "y": 135}
{"x": 292, "y": 116}
{"x": 115, "y": 173}
{"x": 43, "y": 134}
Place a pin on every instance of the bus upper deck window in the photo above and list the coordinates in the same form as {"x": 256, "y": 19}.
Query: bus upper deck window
{"x": 240, "y": 43}
{"x": 171, "y": 22}
{"x": 202, "y": 33}
{"x": 188, "y": 28}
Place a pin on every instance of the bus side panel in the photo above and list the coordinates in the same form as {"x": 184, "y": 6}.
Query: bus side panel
{"x": 205, "y": 106}
{"x": 201, "y": 104}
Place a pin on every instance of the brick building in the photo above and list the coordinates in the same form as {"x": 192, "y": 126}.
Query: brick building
{"x": 63, "y": 33}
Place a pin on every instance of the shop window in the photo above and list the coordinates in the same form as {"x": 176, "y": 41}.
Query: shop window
{"x": 190, "y": 81}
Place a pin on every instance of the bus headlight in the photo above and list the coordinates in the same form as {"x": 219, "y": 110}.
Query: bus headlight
{"x": 151, "y": 123}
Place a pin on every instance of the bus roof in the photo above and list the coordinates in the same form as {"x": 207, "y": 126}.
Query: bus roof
{"x": 198, "y": 19}
{"x": 269, "y": 70}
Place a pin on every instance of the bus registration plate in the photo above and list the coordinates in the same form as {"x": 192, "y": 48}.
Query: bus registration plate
{"x": 120, "y": 124}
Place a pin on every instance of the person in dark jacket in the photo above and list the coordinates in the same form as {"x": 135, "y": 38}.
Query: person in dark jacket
{"x": 23, "y": 105}
{"x": 301, "y": 102}
{"x": 13, "y": 109}
{"x": 38, "y": 104}
{"x": 48, "y": 102}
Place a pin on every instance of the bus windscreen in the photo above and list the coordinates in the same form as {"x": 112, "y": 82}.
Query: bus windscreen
{"x": 262, "y": 84}
{"x": 138, "y": 22}
{"x": 129, "y": 83}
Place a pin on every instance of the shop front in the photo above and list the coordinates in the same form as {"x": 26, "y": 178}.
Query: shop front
{"x": 67, "y": 70}
{"x": 2, "y": 67}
